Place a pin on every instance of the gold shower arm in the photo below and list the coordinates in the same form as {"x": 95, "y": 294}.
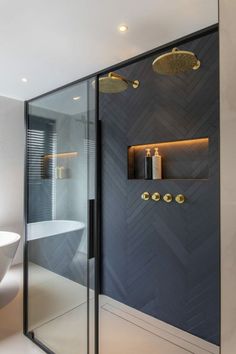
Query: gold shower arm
{"x": 134, "y": 83}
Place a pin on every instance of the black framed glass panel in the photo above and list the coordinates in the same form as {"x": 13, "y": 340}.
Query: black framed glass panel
{"x": 61, "y": 160}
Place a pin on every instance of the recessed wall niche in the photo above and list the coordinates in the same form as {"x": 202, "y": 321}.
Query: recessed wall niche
{"x": 58, "y": 165}
{"x": 182, "y": 159}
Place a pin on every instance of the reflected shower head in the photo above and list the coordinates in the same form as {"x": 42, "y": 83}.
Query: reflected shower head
{"x": 176, "y": 62}
{"x": 114, "y": 83}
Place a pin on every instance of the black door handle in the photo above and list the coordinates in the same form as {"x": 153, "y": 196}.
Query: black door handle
{"x": 91, "y": 231}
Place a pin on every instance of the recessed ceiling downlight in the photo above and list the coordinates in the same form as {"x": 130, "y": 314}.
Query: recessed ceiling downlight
{"x": 24, "y": 79}
{"x": 123, "y": 28}
{"x": 76, "y": 98}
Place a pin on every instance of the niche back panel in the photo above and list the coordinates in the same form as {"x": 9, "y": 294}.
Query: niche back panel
{"x": 159, "y": 258}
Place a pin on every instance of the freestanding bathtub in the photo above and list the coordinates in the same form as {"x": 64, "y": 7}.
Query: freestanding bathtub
{"x": 9, "y": 242}
{"x": 42, "y": 229}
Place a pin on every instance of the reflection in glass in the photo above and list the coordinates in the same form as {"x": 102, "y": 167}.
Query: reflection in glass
{"x": 61, "y": 180}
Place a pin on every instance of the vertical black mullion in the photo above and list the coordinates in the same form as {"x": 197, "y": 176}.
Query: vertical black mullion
{"x": 97, "y": 216}
{"x": 88, "y": 219}
{"x": 25, "y": 260}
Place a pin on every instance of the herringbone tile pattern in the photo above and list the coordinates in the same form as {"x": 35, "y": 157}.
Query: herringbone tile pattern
{"x": 60, "y": 254}
{"x": 163, "y": 259}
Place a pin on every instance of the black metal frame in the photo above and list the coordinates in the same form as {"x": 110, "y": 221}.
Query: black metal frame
{"x": 25, "y": 268}
{"x": 98, "y": 226}
{"x": 98, "y": 238}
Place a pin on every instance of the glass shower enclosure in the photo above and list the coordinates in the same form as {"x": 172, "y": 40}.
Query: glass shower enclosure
{"x": 61, "y": 192}
{"x": 106, "y": 270}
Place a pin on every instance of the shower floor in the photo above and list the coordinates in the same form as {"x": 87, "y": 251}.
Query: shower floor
{"x": 59, "y": 313}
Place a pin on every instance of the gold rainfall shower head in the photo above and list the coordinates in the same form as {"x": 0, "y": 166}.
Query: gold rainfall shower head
{"x": 114, "y": 83}
{"x": 176, "y": 62}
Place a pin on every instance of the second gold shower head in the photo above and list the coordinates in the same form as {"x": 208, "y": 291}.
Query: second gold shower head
{"x": 176, "y": 62}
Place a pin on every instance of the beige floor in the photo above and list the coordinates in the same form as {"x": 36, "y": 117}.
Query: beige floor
{"x": 61, "y": 323}
{"x": 12, "y": 341}
{"x": 51, "y": 295}
{"x": 58, "y": 318}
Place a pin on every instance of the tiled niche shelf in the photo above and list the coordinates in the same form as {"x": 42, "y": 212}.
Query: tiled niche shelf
{"x": 182, "y": 159}
{"x": 58, "y": 165}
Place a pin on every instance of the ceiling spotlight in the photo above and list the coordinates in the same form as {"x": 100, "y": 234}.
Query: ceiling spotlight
{"x": 24, "y": 79}
{"x": 123, "y": 28}
{"x": 76, "y": 98}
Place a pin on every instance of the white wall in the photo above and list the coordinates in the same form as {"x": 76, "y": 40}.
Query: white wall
{"x": 12, "y": 141}
{"x": 228, "y": 172}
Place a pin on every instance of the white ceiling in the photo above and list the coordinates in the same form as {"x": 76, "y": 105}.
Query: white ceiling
{"x": 54, "y": 42}
{"x": 62, "y": 101}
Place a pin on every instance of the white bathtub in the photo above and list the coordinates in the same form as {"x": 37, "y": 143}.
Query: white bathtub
{"x": 9, "y": 242}
{"x": 49, "y": 228}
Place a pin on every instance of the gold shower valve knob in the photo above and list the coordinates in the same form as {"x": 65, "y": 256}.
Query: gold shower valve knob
{"x": 136, "y": 84}
{"x": 168, "y": 198}
{"x": 145, "y": 196}
{"x": 156, "y": 197}
{"x": 180, "y": 198}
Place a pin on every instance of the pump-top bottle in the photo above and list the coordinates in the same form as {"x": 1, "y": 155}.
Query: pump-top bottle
{"x": 156, "y": 165}
{"x": 148, "y": 165}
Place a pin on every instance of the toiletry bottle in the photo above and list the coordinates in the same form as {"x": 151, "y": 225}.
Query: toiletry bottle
{"x": 156, "y": 165}
{"x": 60, "y": 173}
{"x": 148, "y": 165}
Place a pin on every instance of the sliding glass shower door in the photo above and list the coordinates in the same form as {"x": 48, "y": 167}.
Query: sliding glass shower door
{"x": 60, "y": 213}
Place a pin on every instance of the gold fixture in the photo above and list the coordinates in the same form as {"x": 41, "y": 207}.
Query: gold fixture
{"x": 168, "y": 198}
{"x": 114, "y": 83}
{"x": 180, "y": 198}
{"x": 176, "y": 62}
{"x": 156, "y": 197}
{"x": 145, "y": 196}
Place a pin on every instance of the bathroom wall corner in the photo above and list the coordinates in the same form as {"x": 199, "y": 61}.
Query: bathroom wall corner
{"x": 228, "y": 175}
{"x": 12, "y": 142}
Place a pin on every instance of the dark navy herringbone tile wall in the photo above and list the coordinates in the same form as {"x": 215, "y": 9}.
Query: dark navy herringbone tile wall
{"x": 163, "y": 259}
